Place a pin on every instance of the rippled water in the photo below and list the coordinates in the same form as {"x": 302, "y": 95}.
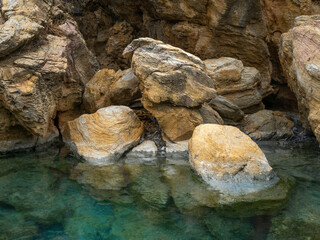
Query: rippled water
{"x": 47, "y": 196}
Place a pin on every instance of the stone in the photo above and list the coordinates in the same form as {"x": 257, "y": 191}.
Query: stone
{"x": 146, "y": 151}
{"x": 15, "y": 32}
{"x": 177, "y": 151}
{"x": 300, "y": 62}
{"x": 268, "y": 125}
{"x": 108, "y": 87}
{"x": 169, "y": 74}
{"x": 229, "y": 160}
{"x": 104, "y": 136}
{"x": 175, "y": 87}
{"x": 241, "y": 85}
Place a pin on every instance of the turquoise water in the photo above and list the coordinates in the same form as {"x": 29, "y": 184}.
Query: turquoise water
{"x": 48, "y": 196}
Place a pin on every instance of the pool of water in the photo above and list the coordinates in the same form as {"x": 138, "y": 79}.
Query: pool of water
{"x": 47, "y": 196}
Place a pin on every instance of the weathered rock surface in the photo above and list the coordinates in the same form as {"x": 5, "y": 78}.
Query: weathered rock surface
{"x": 175, "y": 87}
{"x": 267, "y": 125}
{"x": 229, "y": 160}
{"x": 108, "y": 87}
{"x": 104, "y": 136}
{"x": 241, "y": 85}
{"x": 301, "y": 64}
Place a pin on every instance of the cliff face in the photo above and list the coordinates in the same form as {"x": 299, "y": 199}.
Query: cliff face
{"x": 49, "y": 50}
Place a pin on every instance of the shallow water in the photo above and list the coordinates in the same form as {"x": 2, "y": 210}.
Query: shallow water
{"x": 46, "y": 196}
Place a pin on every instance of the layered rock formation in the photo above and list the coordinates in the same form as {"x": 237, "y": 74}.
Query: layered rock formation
{"x": 175, "y": 87}
{"x": 104, "y": 136}
{"x": 229, "y": 160}
{"x": 301, "y": 64}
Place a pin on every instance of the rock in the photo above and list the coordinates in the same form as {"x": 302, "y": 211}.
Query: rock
{"x": 108, "y": 87}
{"x": 300, "y": 62}
{"x": 241, "y": 85}
{"x": 104, "y": 136}
{"x": 178, "y": 123}
{"x": 229, "y": 160}
{"x": 146, "y": 151}
{"x": 177, "y": 152}
{"x": 175, "y": 87}
{"x": 15, "y": 32}
{"x": 267, "y": 125}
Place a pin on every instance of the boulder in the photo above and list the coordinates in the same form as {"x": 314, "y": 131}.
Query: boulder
{"x": 301, "y": 64}
{"x": 229, "y": 160}
{"x": 104, "y": 136}
{"x": 108, "y": 87}
{"x": 267, "y": 125}
{"x": 241, "y": 85}
{"x": 175, "y": 87}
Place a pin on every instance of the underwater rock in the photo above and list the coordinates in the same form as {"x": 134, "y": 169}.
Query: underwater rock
{"x": 104, "y": 136}
{"x": 267, "y": 125}
{"x": 229, "y": 160}
{"x": 241, "y": 85}
{"x": 301, "y": 64}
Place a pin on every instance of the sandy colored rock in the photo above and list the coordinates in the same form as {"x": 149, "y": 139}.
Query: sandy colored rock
{"x": 104, "y": 136}
{"x": 229, "y": 160}
{"x": 241, "y": 85}
{"x": 267, "y": 125}
{"x": 301, "y": 63}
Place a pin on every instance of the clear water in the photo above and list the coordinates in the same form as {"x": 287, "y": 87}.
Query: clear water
{"x": 48, "y": 196}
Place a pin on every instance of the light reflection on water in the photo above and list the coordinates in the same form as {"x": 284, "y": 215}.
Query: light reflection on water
{"x": 44, "y": 196}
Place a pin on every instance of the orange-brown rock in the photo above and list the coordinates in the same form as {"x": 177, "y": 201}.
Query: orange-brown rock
{"x": 104, "y": 136}
{"x": 241, "y": 85}
{"x": 301, "y": 65}
{"x": 267, "y": 125}
{"x": 229, "y": 160}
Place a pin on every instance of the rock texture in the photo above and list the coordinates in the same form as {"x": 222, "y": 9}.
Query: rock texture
{"x": 229, "y": 160}
{"x": 104, "y": 136}
{"x": 175, "y": 87}
{"x": 108, "y": 87}
{"x": 241, "y": 85}
{"x": 267, "y": 125}
{"x": 301, "y": 63}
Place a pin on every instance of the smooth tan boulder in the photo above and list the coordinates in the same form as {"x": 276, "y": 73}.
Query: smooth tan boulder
{"x": 229, "y": 160}
{"x": 104, "y": 136}
{"x": 267, "y": 125}
{"x": 300, "y": 61}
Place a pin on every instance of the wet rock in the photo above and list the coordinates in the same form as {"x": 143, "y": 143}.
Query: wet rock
{"x": 267, "y": 125}
{"x": 300, "y": 62}
{"x": 144, "y": 152}
{"x": 229, "y": 160}
{"x": 241, "y": 85}
{"x": 104, "y": 136}
{"x": 177, "y": 151}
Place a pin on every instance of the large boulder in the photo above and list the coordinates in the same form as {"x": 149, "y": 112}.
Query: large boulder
{"x": 267, "y": 125}
{"x": 241, "y": 85}
{"x": 108, "y": 87}
{"x": 301, "y": 64}
{"x": 229, "y": 160}
{"x": 175, "y": 87}
{"x": 104, "y": 136}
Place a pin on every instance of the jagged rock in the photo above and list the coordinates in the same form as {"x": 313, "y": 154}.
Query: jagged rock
{"x": 104, "y": 136}
{"x": 241, "y": 85}
{"x": 15, "y": 32}
{"x": 267, "y": 125}
{"x": 175, "y": 87}
{"x": 229, "y": 160}
{"x": 301, "y": 63}
{"x": 108, "y": 87}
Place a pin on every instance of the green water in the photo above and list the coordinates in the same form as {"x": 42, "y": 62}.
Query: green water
{"x": 47, "y": 196}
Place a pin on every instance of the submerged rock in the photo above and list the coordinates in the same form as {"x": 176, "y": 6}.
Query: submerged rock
{"x": 229, "y": 160}
{"x": 104, "y": 136}
{"x": 267, "y": 125}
